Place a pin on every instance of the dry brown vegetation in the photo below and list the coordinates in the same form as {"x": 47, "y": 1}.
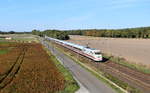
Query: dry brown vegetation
{"x": 8, "y": 59}
{"x": 33, "y": 71}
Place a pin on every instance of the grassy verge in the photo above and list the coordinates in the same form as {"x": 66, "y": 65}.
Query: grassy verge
{"x": 122, "y": 61}
{"x": 71, "y": 85}
{"x": 3, "y": 51}
{"x": 2, "y": 39}
{"x": 118, "y": 85}
{"x": 5, "y": 42}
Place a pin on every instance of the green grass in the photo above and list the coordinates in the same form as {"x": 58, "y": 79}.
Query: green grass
{"x": 5, "y": 42}
{"x": 121, "y": 61}
{"x": 4, "y": 51}
{"x": 2, "y": 39}
{"x": 122, "y": 84}
{"x": 70, "y": 85}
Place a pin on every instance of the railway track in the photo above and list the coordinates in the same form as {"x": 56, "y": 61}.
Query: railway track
{"x": 133, "y": 77}
{"x": 141, "y": 77}
{"x": 8, "y": 77}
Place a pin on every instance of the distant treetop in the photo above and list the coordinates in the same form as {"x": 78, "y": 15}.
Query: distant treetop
{"x": 52, "y": 33}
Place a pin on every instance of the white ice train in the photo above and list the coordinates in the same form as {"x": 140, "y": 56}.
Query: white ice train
{"x": 83, "y": 50}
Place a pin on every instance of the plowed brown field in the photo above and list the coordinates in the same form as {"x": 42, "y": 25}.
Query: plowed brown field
{"x": 35, "y": 73}
{"x": 133, "y": 50}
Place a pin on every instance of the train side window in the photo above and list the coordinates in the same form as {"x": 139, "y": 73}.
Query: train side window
{"x": 97, "y": 53}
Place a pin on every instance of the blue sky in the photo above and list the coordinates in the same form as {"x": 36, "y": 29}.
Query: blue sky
{"x": 25, "y": 15}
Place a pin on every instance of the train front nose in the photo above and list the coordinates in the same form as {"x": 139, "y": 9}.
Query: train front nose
{"x": 99, "y": 58}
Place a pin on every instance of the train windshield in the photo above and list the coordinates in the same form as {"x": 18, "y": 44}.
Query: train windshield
{"x": 97, "y": 53}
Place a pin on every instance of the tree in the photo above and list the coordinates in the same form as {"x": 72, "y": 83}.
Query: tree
{"x": 143, "y": 32}
{"x": 11, "y": 32}
{"x": 52, "y": 33}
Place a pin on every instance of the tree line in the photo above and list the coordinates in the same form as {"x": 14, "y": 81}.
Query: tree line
{"x": 142, "y": 32}
{"x": 10, "y": 32}
{"x": 63, "y": 35}
{"x": 13, "y": 32}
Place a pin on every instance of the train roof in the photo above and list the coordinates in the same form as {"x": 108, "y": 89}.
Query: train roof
{"x": 92, "y": 49}
{"x": 75, "y": 45}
